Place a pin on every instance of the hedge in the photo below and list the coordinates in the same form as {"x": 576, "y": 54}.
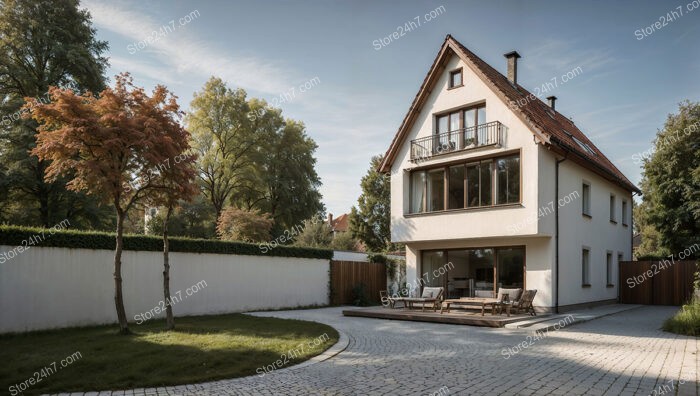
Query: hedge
{"x": 21, "y": 236}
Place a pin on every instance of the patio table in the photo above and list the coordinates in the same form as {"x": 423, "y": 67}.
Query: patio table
{"x": 472, "y": 301}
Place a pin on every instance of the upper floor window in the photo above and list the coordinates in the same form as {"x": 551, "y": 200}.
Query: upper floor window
{"x": 456, "y": 78}
{"x": 624, "y": 213}
{"x": 586, "y": 199}
{"x": 482, "y": 183}
{"x": 613, "y": 218}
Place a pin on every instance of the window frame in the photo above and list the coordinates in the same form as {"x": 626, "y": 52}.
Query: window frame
{"x": 585, "y": 266}
{"x": 445, "y": 168}
{"x": 451, "y": 74}
{"x": 625, "y": 221}
{"x": 613, "y": 204}
{"x": 586, "y": 199}
{"x": 609, "y": 268}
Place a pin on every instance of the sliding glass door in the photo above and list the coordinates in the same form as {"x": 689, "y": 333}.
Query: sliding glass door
{"x": 474, "y": 272}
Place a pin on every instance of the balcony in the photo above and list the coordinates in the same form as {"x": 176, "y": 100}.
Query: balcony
{"x": 489, "y": 134}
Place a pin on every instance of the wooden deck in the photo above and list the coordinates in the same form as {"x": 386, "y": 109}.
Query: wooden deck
{"x": 456, "y": 316}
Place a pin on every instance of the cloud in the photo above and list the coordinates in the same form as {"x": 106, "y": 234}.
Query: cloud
{"x": 345, "y": 147}
{"x": 560, "y": 57}
{"x": 182, "y": 54}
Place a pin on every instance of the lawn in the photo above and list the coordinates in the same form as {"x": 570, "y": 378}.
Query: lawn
{"x": 202, "y": 348}
{"x": 686, "y": 321}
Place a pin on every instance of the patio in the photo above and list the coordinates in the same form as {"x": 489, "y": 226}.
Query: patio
{"x": 455, "y": 316}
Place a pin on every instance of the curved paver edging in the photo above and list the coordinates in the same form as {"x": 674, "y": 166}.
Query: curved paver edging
{"x": 340, "y": 346}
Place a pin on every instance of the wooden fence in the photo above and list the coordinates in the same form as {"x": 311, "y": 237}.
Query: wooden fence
{"x": 656, "y": 282}
{"x": 345, "y": 275}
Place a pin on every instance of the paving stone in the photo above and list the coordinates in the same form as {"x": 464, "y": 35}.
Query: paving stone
{"x": 624, "y": 353}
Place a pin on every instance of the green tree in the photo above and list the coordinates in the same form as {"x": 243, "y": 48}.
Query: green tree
{"x": 370, "y": 221}
{"x": 44, "y": 43}
{"x": 226, "y": 140}
{"x": 343, "y": 241}
{"x": 315, "y": 234}
{"x": 671, "y": 183}
{"x": 289, "y": 184}
{"x": 189, "y": 219}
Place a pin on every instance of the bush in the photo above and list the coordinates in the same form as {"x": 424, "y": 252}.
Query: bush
{"x": 686, "y": 321}
{"x": 18, "y": 236}
{"x": 359, "y": 295}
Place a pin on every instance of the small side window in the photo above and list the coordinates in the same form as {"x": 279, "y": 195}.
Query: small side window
{"x": 456, "y": 78}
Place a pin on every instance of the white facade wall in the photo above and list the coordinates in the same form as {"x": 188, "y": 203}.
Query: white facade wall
{"x": 597, "y": 233}
{"x": 44, "y": 287}
{"x": 534, "y": 219}
{"x": 474, "y": 223}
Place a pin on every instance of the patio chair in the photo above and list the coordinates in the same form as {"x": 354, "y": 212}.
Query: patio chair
{"x": 431, "y": 296}
{"x": 513, "y": 294}
{"x": 525, "y": 303}
{"x": 384, "y": 296}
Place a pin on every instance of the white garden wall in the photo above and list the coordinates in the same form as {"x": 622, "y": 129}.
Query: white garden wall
{"x": 45, "y": 287}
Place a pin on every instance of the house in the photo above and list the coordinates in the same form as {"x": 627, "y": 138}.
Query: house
{"x": 338, "y": 225}
{"x": 491, "y": 187}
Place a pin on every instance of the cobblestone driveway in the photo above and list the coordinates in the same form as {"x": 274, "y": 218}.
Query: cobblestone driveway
{"x": 623, "y": 354}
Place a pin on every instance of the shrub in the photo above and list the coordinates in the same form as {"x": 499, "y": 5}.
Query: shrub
{"x": 359, "y": 295}
{"x": 18, "y": 236}
{"x": 686, "y": 321}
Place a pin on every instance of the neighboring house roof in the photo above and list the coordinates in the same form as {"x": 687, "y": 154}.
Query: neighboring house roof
{"x": 340, "y": 224}
{"x": 550, "y": 127}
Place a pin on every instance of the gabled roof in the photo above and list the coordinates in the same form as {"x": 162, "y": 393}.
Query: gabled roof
{"x": 340, "y": 224}
{"x": 550, "y": 127}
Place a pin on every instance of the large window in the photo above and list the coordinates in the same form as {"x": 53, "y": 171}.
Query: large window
{"x": 456, "y": 190}
{"x": 436, "y": 190}
{"x": 417, "y": 192}
{"x": 474, "y": 272}
{"x": 508, "y": 180}
{"x": 472, "y": 185}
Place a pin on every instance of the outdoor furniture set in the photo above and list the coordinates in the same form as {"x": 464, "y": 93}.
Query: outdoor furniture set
{"x": 508, "y": 300}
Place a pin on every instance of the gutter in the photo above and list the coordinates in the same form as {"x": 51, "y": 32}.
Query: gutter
{"x": 556, "y": 230}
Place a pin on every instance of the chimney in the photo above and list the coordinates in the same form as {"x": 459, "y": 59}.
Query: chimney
{"x": 512, "y": 66}
{"x": 330, "y": 219}
{"x": 552, "y": 101}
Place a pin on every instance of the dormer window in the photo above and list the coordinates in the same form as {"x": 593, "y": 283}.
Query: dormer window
{"x": 456, "y": 78}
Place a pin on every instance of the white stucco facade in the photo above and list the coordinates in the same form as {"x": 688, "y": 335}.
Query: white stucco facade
{"x": 529, "y": 224}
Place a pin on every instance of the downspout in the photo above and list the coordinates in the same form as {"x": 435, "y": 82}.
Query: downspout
{"x": 556, "y": 231}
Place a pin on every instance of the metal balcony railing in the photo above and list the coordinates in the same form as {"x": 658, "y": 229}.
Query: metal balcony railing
{"x": 489, "y": 134}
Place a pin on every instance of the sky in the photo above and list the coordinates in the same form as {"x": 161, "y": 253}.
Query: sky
{"x": 326, "y": 63}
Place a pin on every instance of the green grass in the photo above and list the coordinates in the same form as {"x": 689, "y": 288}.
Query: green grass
{"x": 202, "y": 348}
{"x": 686, "y": 321}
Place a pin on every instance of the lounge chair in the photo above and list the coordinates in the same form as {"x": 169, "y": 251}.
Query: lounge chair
{"x": 431, "y": 296}
{"x": 385, "y": 297}
{"x": 525, "y": 303}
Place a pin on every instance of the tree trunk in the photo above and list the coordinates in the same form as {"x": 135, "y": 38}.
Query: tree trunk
{"x": 170, "y": 321}
{"x": 118, "y": 297}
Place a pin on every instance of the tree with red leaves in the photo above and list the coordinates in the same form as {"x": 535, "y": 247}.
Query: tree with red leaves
{"x": 111, "y": 146}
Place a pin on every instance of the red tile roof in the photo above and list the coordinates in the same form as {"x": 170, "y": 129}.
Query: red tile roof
{"x": 340, "y": 224}
{"x": 550, "y": 127}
